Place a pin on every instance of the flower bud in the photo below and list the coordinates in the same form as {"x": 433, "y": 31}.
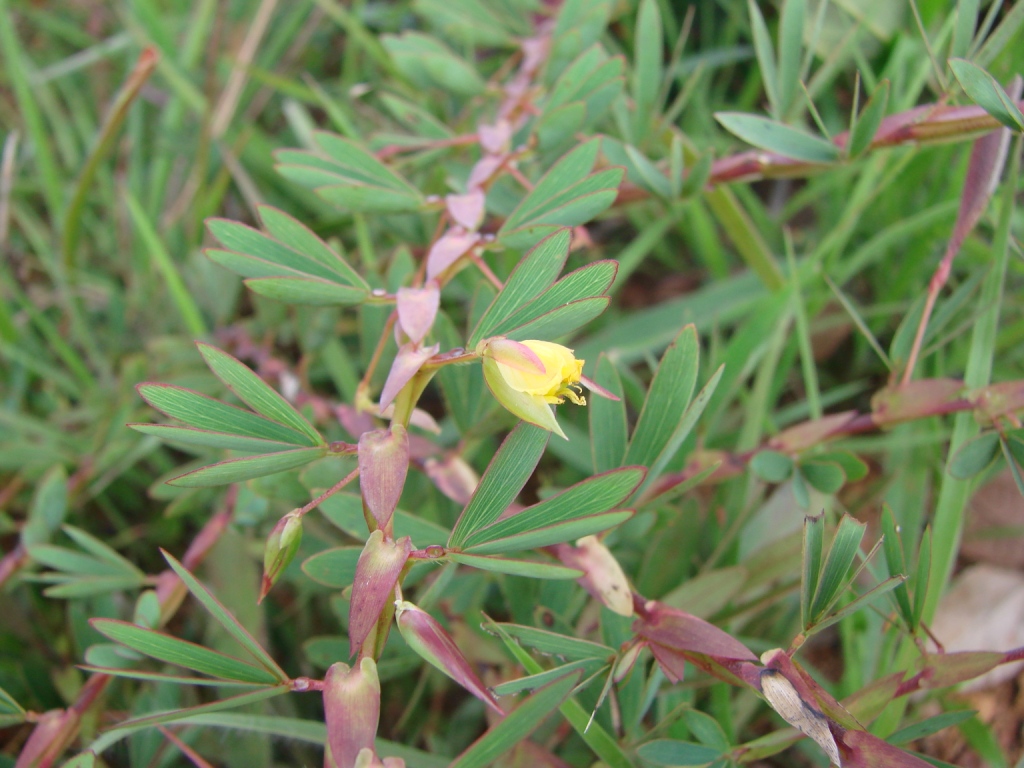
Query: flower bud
{"x": 351, "y": 710}
{"x": 282, "y": 544}
{"x": 430, "y": 640}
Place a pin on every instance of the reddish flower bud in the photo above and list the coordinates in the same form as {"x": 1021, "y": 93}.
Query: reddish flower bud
{"x": 352, "y": 710}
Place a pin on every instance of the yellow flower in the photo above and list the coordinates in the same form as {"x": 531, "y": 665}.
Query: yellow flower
{"x": 528, "y": 377}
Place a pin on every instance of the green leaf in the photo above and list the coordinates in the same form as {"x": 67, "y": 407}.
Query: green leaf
{"x": 779, "y": 138}
{"x": 562, "y": 321}
{"x": 82, "y": 760}
{"x": 530, "y": 568}
{"x": 588, "y": 667}
{"x": 309, "y": 291}
{"x": 74, "y": 562}
{"x": 556, "y": 128}
{"x": 567, "y": 195}
{"x": 667, "y": 399}
{"x": 175, "y": 715}
{"x": 896, "y": 564}
{"x": 70, "y": 587}
{"x": 963, "y": 30}
{"x": 251, "y": 253}
{"x": 609, "y": 429}
{"x": 203, "y": 437}
{"x": 864, "y": 130}
{"x": 974, "y": 456}
{"x": 650, "y": 177}
{"x": 11, "y": 712}
{"x": 858, "y": 603}
{"x": 223, "y": 617}
{"x": 853, "y": 467}
{"x": 823, "y": 476}
{"x": 771, "y": 466}
{"x": 505, "y": 477}
{"x": 345, "y": 173}
{"x": 345, "y": 510}
{"x": 534, "y": 274}
{"x": 298, "y": 237}
{"x": 557, "y": 533}
{"x": 237, "y": 470}
{"x": 256, "y": 393}
{"x": 984, "y": 91}
{"x": 930, "y": 725}
{"x": 835, "y": 571}
{"x": 812, "y": 554}
{"x": 427, "y": 62}
{"x": 647, "y": 65}
{"x": 204, "y": 412}
{"x": 554, "y": 644}
{"x": 591, "y": 496}
{"x": 139, "y": 674}
{"x": 791, "y": 45}
{"x": 517, "y": 725}
{"x": 184, "y": 654}
{"x": 672, "y": 752}
{"x": 765, "y": 55}
{"x": 335, "y": 568}
{"x": 48, "y": 508}
{"x": 589, "y": 282}
{"x": 592, "y": 79}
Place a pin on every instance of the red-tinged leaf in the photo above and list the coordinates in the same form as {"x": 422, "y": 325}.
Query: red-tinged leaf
{"x": 430, "y": 640}
{"x": 672, "y": 663}
{"x": 453, "y": 476}
{"x": 860, "y": 749}
{"x": 869, "y": 701}
{"x": 376, "y": 575}
{"x": 913, "y": 400}
{"x": 383, "y": 465}
{"x": 47, "y": 741}
{"x": 944, "y": 669}
{"x": 467, "y": 210}
{"x": 407, "y": 364}
{"x": 417, "y": 308}
{"x": 351, "y": 709}
{"x": 597, "y": 389}
{"x": 809, "y": 433}
{"x": 449, "y": 249}
{"x": 482, "y": 172}
{"x": 682, "y": 631}
{"x": 603, "y": 577}
{"x": 495, "y": 138}
{"x": 807, "y": 687}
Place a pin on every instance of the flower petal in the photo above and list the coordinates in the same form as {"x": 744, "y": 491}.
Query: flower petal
{"x": 527, "y": 407}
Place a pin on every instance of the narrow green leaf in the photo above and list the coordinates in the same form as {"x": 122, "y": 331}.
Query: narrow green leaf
{"x": 530, "y": 568}
{"x": 517, "y": 725}
{"x": 157, "y": 677}
{"x": 812, "y": 555}
{"x": 11, "y": 712}
{"x": 566, "y": 173}
{"x": 223, "y": 616}
{"x": 504, "y": 478}
{"x": 82, "y": 760}
{"x": 562, "y": 321}
{"x": 73, "y": 587}
{"x": 779, "y": 138}
{"x": 587, "y": 282}
{"x": 791, "y": 46}
{"x": 609, "y": 429}
{"x": 557, "y": 533}
{"x": 858, "y": 603}
{"x": 204, "y": 412}
{"x": 836, "y": 569}
{"x": 648, "y": 52}
{"x": 667, "y": 399}
{"x": 554, "y": 644}
{"x": 649, "y": 175}
{"x": 207, "y": 439}
{"x": 237, "y": 470}
{"x": 48, "y": 508}
{"x": 74, "y": 562}
{"x": 896, "y": 564}
{"x": 102, "y": 551}
{"x": 963, "y": 29}
{"x": 301, "y": 238}
{"x": 182, "y": 653}
{"x": 307, "y": 291}
{"x": 930, "y": 725}
{"x": 174, "y": 715}
{"x": 154, "y": 244}
{"x": 765, "y": 55}
{"x": 258, "y": 248}
{"x": 588, "y": 667}
{"x": 256, "y": 393}
{"x": 426, "y": 62}
{"x": 984, "y": 91}
{"x": 534, "y": 274}
{"x": 360, "y": 165}
{"x": 864, "y": 130}
{"x": 591, "y": 496}
{"x": 345, "y": 510}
